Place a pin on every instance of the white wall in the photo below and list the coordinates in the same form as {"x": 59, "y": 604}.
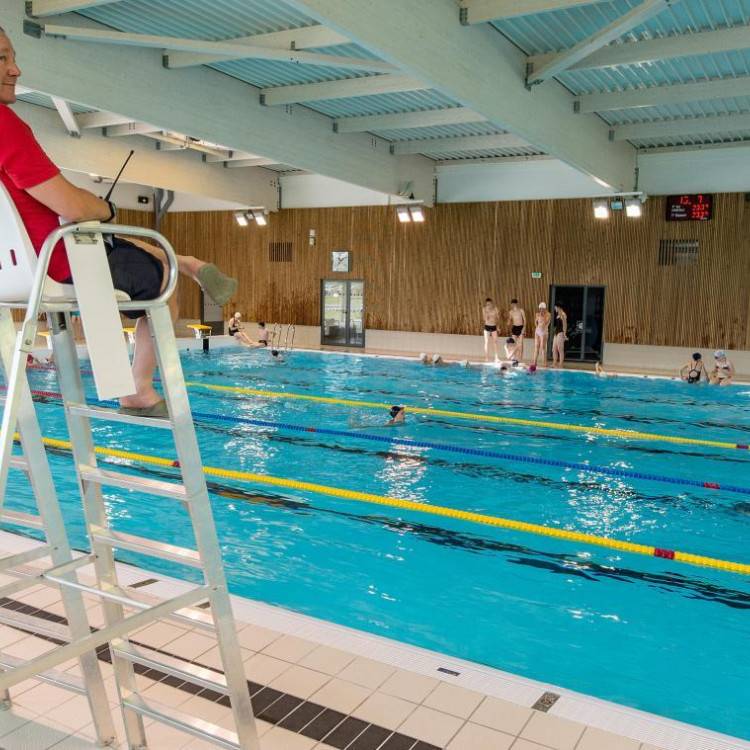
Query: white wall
{"x": 317, "y": 191}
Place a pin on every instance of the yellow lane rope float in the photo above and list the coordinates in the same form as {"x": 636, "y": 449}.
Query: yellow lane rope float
{"x": 435, "y": 510}
{"x": 625, "y": 434}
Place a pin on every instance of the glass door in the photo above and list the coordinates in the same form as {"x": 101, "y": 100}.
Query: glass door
{"x": 342, "y": 313}
{"x": 584, "y": 306}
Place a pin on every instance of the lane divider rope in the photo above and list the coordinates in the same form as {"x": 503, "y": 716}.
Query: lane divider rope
{"x": 447, "y": 447}
{"x": 435, "y": 510}
{"x": 431, "y": 411}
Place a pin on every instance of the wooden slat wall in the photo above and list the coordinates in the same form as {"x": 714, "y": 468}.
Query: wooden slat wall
{"x": 434, "y": 277}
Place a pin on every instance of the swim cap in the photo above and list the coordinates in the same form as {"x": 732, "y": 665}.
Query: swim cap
{"x": 720, "y": 354}
{"x": 436, "y": 358}
{"x": 395, "y": 410}
{"x": 542, "y": 305}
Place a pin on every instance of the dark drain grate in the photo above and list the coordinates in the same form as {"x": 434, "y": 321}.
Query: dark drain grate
{"x": 546, "y": 702}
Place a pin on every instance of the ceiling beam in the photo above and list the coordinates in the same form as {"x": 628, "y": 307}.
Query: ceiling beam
{"x": 482, "y": 11}
{"x": 101, "y": 119}
{"x": 100, "y": 36}
{"x": 664, "y": 48}
{"x": 460, "y": 143}
{"x": 585, "y": 48}
{"x": 129, "y": 128}
{"x": 446, "y": 56}
{"x": 230, "y": 112}
{"x": 405, "y": 120}
{"x": 183, "y": 143}
{"x": 308, "y": 37}
{"x": 697, "y": 126}
{"x": 258, "y": 161}
{"x": 231, "y": 156}
{"x": 655, "y": 96}
{"x": 341, "y": 89}
{"x": 42, "y": 8}
{"x": 67, "y": 116}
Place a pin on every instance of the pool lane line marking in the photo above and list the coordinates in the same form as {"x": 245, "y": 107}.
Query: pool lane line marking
{"x": 410, "y": 443}
{"x": 430, "y": 411}
{"x": 435, "y": 510}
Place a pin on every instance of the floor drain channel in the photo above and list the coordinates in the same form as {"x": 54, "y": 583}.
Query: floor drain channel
{"x": 448, "y": 671}
{"x": 546, "y": 702}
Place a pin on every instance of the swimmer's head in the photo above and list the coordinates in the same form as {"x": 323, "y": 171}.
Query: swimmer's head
{"x": 503, "y": 368}
{"x": 275, "y": 352}
{"x": 237, "y": 316}
{"x": 510, "y": 340}
{"x": 532, "y": 368}
{"x": 514, "y": 301}
{"x": 261, "y": 324}
{"x": 395, "y": 411}
{"x": 697, "y": 356}
{"x": 542, "y": 305}
{"x": 422, "y": 357}
{"x": 720, "y": 354}
{"x": 436, "y": 359}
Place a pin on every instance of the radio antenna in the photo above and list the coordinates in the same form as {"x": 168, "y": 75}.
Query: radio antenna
{"x": 122, "y": 169}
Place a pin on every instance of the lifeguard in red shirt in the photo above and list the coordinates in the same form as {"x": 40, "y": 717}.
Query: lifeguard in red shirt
{"x": 42, "y": 195}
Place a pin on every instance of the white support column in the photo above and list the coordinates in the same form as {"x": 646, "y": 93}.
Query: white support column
{"x": 569, "y": 57}
{"x": 406, "y": 120}
{"x": 308, "y": 37}
{"x": 482, "y": 11}
{"x": 342, "y": 89}
{"x": 99, "y": 36}
{"x": 655, "y": 96}
{"x": 41, "y": 8}
{"x": 461, "y": 143}
{"x": 67, "y": 116}
{"x": 481, "y": 70}
{"x": 692, "y": 126}
{"x": 664, "y": 48}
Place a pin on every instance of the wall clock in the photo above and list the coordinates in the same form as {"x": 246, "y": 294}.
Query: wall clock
{"x": 340, "y": 261}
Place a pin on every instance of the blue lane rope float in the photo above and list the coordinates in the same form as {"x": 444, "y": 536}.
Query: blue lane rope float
{"x": 448, "y": 448}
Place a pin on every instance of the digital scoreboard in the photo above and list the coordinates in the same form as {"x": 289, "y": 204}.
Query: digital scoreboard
{"x": 690, "y": 207}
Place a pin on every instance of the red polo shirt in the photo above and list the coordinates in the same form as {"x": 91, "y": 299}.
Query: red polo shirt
{"x": 24, "y": 165}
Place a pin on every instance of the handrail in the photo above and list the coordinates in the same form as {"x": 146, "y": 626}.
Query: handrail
{"x": 95, "y": 227}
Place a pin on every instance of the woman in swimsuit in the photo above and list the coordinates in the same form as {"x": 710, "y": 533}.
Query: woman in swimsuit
{"x": 723, "y": 372}
{"x": 693, "y": 370}
{"x": 561, "y": 336}
{"x": 234, "y": 328}
{"x": 541, "y": 332}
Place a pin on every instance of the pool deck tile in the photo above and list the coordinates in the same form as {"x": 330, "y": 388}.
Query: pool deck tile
{"x": 326, "y": 659}
{"x": 409, "y": 686}
{"x": 384, "y": 710}
{"x": 341, "y": 695}
{"x": 454, "y": 700}
{"x": 473, "y": 736}
{"x": 432, "y": 726}
{"x": 289, "y": 648}
{"x": 300, "y": 681}
{"x": 502, "y": 715}
{"x": 552, "y": 731}
{"x": 367, "y": 672}
{"x": 596, "y": 739}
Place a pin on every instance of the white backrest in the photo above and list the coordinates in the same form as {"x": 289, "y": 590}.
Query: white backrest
{"x": 18, "y": 259}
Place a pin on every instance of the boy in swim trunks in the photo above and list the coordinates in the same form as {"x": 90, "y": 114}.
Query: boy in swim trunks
{"x": 517, "y": 323}
{"x": 491, "y": 316}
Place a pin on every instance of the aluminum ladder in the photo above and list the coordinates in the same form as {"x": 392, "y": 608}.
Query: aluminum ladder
{"x": 124, "y": 611}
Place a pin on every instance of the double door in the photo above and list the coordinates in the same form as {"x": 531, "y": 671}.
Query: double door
{"x": 584, "y": 306}
{"x": 342, "y": 313}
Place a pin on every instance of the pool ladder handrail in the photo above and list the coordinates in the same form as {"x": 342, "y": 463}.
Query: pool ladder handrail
{"x": 289, "y": 345}
{"x": 19, "y": 412}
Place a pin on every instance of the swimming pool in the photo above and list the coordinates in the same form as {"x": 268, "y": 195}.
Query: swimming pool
{"x": 646, "y": 632}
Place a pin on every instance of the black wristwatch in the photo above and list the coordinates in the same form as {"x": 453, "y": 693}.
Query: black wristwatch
{"x": 112, "y": 211}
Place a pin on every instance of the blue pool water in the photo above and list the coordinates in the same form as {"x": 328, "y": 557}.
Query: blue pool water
{"x": 654, "y": 634}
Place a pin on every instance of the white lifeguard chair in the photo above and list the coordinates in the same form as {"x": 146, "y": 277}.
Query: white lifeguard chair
{"x": 24, "y": 284}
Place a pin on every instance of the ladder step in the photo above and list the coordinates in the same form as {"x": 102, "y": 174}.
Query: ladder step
{"x": 21, "y": 558}
{"x": 147, "y": 546}
{"x": 130, "y": 482}
{"x": 63, "y": 680}
{"x": 112, "y": 415}
{"x": 185, "y": 670}
{"x": 205, "y": 730}
{"x": 22, "y": 519}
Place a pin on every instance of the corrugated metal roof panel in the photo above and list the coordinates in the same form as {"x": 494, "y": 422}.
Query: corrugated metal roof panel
{"x": 42, "y": 100}
{"x": 741, "y": 136}
{"x": 483, "y": 154}
{"x": 268, "y": 73}
{"x": 383, "y": 104}
{"x": 712, "y": 108}
{"x": 439, "y": 131}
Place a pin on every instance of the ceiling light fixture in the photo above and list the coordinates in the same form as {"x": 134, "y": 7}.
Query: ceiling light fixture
{"x": 241, "y": 218}
{"x": 260, "y": 217}
{"x": 417, "y": 214}
{"x": 601, "y": 209}
{"x": 634, "y": 208}
{"x": 403, "y": 213}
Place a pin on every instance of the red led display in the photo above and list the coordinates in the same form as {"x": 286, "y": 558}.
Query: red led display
{"x": 690, "y": 207}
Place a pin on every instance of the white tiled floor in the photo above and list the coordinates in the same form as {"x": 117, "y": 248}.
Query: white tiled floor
{"x": 432, "y": 709}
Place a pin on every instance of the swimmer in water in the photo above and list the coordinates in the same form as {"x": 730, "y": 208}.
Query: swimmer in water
{"x": 693, "y": 370}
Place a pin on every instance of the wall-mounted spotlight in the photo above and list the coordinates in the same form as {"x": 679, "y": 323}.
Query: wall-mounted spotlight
{"x": 601, "y": 209}
{"x": 634, "y": 208}
{"x": 407, "y": 214}
{"x": 241, "y": 218}
{"x": 403, "y": 214}
{"x": 417, "y": 214}
{"x": 260, "y": 217}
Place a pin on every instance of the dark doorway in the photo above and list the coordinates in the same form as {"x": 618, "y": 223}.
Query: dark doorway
{"x": 584, "y": 306}
{"x": 342, "y": 313}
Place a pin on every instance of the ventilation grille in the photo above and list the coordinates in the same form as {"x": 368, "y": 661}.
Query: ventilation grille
{"x": 678, "y": 252}
{"x": 280, "y": 252}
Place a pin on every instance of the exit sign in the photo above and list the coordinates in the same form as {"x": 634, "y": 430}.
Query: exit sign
{"x": 536, "y": 274}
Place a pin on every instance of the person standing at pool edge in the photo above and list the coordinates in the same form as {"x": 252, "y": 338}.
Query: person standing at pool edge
{"x": 491, "y": 316}
{"x": 561, "y": 336}
{"x": 517, "y": 322}
{"x": 541, "y": 333}
{"x": 42, "y": 196}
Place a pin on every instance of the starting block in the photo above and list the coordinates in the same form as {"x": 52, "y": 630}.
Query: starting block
{"x": 130, "y": 333}
{"x": 202, "y": 332}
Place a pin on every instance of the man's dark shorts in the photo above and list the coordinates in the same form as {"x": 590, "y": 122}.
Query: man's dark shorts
{"x": 135, "y": 272}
